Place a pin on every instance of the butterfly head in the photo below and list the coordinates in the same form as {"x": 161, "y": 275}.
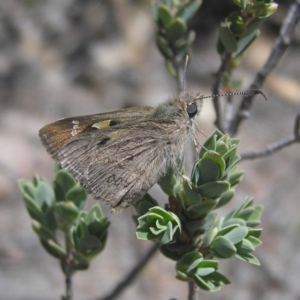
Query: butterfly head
{"x": 193, "y": 104}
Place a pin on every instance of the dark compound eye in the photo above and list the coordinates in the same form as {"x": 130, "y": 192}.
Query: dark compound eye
{"x": 192, "y": 110}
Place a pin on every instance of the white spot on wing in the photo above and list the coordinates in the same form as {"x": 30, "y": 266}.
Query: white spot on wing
{"x": 75, "y": 127}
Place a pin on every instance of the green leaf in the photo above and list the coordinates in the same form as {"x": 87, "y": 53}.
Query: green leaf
{"x": 228, "y": 39}
{"x": 33, "y": 209}
{"x": 209, "y": 237}
{"x": 211, "y": 166}
{"x": 256, "y": 232}
{"x": 205, "y": 271}
{"x": 181, "y": 276}
{"x": 222, "y": 247}
{"x": 213, "y": 264}
{"x": 245, "y": 246}
{"x": 63, "y": 183}
{"x": 210, "y": 220}
{"x": 219, "y": 279}
{"x": 90, "y": 243}
{"x": 168, "y": 183}
{"x": 235, "y": 178}
{"x": 253, "y": 223}
{"x": 78, "y": 196}
{"x": 37, "y": 180}
{"x": 44, "y": 195}
{"x": 194, "y": 225}
{"x": 176, "y": 30}
{"x": 254, "y": 241}
{"x": 190, "y": 196}
{"x": 143, "y": 205}
{"x": 221, "y": 148}
{"x": 262, "y": 10}
{"x": 170, "y": 68}
{"x": 189, "y": 262}
{"x": 161, "y": 213}
{"x": 227, "y": 229}
{"x": 256, "y": 215}
{"x": 213, "y": 189}
{"x": 189, "y": 10}
{"x": 210, "y": 143}
{"x": 230, "y": 157}
{"x": 43, "y": 232}
{"x": 235, "y": 221}
{"x": 202, "y": 284}
{"x": 165, "y": 16}
{"x": 246, "y": 213}
{"x": 246, "y": 41}
{"x": 27, "y": 187}
{"x": 244, "y": 4}
{"x": 168, "y": 234}
{"x": 95, "y": 213}
{"x": 225, "y": 198}
{"x": 203, "y": 207}
{"x": 54, "y": 248}
{"x": 99, "y": 229}
{"x": 67, "y": 212}
{"x": 158, "y": 225}
{"x": 237, "y": 24}
{"x": 254, "y": 25}
{"x": 164, "y": 47}
{"x": 144, "y": 234}
{"x": 236, "y": 235}
{"x": 248, "y": 258}
{"x": 57, "y": 167}
{"x": 214, "y": 156}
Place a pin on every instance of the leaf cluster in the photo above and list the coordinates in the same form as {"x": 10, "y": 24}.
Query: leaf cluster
{"x": 189, "y": 229}
{"x": 173, "y": 38}
{"x": 239, "y": 31}
{"x": 60, "y": 208}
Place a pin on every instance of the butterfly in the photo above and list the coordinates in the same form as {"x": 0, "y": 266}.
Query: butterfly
{"x": 118, "y": 156}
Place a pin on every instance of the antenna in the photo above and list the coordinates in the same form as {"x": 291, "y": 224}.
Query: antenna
{"x": 247, "y": 93}
{"x": 184, "y": 72}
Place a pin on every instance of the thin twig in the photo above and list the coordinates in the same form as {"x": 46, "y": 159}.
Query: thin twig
{"x": 193, "y": 291}
{"x": 281, "y": 44}
{"x": 271, "y": 148}
{"x": 216, "y": 90}
{"x": 132, "y": 274}
{"x": 68, "y": 270}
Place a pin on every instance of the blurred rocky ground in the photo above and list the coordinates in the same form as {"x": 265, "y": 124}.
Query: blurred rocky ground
{"x": 72, "y": 57}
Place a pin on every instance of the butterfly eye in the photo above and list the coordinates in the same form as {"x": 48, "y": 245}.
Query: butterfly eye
{"x": 192, "y": 110}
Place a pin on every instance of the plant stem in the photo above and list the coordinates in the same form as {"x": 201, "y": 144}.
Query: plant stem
{"x": 68, "y": 273}
{"x": 281, "y": 44}
{"x": 216, "y": 90}
{"x": 193, "y": 291}
{"x": 132, "y": 274}
{"x": 67, "y": 264}
{"x": 271, "y": 148}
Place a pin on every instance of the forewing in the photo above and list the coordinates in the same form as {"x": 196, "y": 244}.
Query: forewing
{"x": 57, "y": 134}
{"x": 117, "y": 165}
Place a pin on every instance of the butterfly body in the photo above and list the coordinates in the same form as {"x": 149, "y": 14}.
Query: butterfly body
{"x": 119, "y": 156}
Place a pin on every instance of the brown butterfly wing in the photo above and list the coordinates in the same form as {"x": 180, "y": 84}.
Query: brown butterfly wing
{"x": 117, "y": 165}
{"x": 59, "y": 133}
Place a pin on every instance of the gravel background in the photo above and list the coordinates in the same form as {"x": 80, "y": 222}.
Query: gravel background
{"x": 72, "y": 57}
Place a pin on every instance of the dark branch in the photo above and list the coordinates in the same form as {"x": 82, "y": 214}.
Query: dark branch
{"x": 281, "y": 44}
{"x": 271, "y": 148}
{"x": 216, "y": 90}
{"x": 193, "y": 291}
{"x": 132, "y": 274}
